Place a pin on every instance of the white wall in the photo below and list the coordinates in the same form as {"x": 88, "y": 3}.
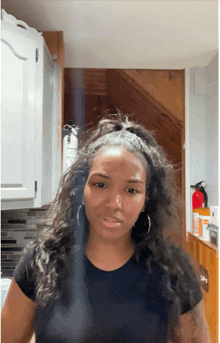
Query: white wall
{"x": 202, "y": 131}
{"x": 212, "y": 164}
{"x": 197, "y": 125}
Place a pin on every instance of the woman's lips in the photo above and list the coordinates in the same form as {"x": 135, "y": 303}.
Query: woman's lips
{"x": 111, "y": 222}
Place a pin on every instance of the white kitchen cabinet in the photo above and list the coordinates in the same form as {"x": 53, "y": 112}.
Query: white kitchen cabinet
{"x": 29, "y": 116}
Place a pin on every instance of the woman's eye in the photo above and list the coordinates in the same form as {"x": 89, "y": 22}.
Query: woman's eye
{"x": 100, "y": 185}
{"x": 132, "y": 191}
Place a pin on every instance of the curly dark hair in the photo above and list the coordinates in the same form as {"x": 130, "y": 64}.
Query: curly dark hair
{"x": 62, "y": 232}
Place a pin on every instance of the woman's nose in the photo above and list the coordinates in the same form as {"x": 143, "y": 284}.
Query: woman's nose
{"x": 115, "y": 201}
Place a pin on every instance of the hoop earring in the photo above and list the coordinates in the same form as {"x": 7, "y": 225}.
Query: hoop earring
{"x": 78, "y": 212}
{"x": 149, "y": 221}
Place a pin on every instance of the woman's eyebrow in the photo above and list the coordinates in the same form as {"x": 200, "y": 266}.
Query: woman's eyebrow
{"x": 136, "y": 181}
{"x": 101, "y": 175}
{"x": 129, "y": 181}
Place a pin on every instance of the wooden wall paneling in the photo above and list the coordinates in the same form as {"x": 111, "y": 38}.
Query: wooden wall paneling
{"x": 148, "y": 116}
{"x": 68, "y": 107}
{"x": 74, "y": 97}
{"x": 93, "y": 94}
{"x": 165, "y": 86}
{"x": 147, "y": 86}
{"x": 95, "y": 99}
{"x": 94, "y": 80}
{"x": 97, "y": 107}
{"x": 131, "y": 99}
{"x": 93, "y": 105}
{"x": 69, "y": 79}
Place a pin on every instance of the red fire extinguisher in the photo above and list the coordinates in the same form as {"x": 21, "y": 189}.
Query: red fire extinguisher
{"x": 199, "y": 197}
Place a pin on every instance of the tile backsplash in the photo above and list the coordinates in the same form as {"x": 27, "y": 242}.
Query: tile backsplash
{"x": 18, "y": 228}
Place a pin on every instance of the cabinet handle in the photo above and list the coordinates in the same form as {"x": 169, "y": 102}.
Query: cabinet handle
{"x": 37, "y": 54}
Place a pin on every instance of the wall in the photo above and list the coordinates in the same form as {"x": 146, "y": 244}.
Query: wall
{"x": 203, "y": 130}
{"x": 197, "y": 125}
{"x": 212, "y": 131}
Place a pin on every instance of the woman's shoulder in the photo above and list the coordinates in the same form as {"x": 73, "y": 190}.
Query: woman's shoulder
{"x": 24, "y": 273}
{"x": 185, "y": 280}
{"x": 179, "y": 274}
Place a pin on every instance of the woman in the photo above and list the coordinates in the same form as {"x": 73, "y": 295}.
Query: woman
{"x": 102, "y": 269}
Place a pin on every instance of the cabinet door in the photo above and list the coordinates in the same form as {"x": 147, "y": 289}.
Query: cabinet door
{"x": 47, "y": 133}
{"x": 18, "y": 58}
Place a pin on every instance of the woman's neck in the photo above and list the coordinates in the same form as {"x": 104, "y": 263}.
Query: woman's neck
{"x": 109, "y": 255}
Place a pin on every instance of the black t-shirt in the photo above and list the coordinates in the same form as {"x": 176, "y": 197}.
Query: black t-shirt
{"x": 125, "y": 305}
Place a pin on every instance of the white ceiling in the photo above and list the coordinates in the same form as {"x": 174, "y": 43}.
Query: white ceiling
{"x": 127, "y": 34}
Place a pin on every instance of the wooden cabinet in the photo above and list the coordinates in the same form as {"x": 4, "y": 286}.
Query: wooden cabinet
{"x": 205, "y": 258}
{"x": 31, "y": 157}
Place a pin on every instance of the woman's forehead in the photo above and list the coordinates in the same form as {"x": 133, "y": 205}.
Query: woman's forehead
{"x": 112, "y": 151}
{"x": 118, "y": 156}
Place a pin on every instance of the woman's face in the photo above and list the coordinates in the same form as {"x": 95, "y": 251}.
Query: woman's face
{"x": 114, "y": 193}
